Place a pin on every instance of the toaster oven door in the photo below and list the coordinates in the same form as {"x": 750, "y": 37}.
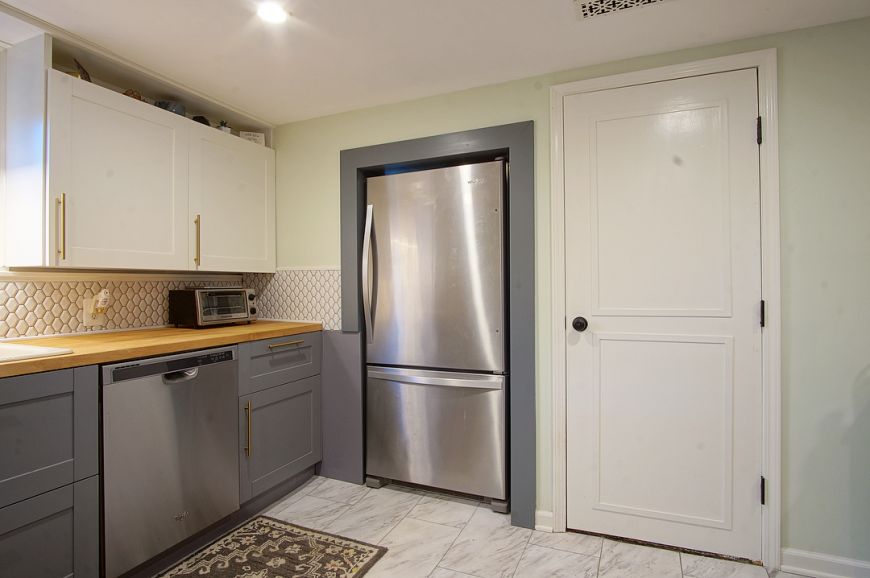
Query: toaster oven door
{"x": 221, "y": 306}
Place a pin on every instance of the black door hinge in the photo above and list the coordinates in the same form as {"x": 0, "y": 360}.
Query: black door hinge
{"x": 758, "y": 138}
{"x": 763, "y": 315}
{"x": 763, "y": 490}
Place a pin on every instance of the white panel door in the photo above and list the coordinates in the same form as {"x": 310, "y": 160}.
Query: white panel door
{"x": 121, "y": 166}
{"x": 663, "y": 260}
{"x": 232, "y": 190}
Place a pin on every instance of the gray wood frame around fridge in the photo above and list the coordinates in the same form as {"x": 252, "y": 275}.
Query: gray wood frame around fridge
{"x": 516, "y": 143}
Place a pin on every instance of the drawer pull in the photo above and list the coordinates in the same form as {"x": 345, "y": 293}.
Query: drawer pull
{"x": 286, "y": 344}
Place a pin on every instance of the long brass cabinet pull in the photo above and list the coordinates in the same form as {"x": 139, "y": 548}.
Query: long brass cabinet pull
{"x": 249, "y": 414}
{"x": 197, "y": 221}
{"x": 286, "y": 344}
{"x": 61, "y": 242}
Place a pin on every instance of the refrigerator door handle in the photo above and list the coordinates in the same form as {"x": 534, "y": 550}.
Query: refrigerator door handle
{"x": 439, "y": 378}
{"x": 366, "y": 291}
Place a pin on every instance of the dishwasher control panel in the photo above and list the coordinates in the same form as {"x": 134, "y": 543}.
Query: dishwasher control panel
{"x": 152, "y": 367}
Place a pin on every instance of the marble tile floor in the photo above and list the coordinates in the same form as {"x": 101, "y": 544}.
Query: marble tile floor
{"x": 439, "y": 536}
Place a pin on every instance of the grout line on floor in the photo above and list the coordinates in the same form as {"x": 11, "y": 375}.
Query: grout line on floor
{"x": 419, "y": 497}
{"x": 523, "y": 553}
{"x": 450, "y": 547}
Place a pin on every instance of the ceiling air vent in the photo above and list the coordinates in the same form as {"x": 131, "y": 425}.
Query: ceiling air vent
{"x": 590, "y": 8}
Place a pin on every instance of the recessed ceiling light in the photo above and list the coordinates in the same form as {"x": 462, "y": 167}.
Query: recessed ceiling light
{"x": 272, "y": 12}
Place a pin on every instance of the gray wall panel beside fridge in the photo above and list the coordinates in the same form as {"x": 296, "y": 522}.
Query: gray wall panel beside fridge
{"x": 342, "y": 405}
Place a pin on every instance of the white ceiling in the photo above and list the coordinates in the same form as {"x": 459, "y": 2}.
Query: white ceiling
{"x": 338, "y": 55}
{"x": 13, "y": 30}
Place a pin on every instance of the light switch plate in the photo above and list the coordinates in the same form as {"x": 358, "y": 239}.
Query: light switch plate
{"x": 90, "y": 319}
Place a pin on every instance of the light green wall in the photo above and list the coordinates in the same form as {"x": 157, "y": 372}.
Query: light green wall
{"x": 824, "y": 84}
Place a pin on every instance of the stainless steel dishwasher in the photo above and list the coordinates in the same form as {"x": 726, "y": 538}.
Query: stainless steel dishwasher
{"x": 170, "y": 451}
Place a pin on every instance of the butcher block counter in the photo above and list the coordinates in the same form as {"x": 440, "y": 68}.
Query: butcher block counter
{"x": 97, "y": 348}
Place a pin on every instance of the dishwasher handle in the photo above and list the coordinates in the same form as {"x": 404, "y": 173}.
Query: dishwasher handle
{"x": 181, "y": 376}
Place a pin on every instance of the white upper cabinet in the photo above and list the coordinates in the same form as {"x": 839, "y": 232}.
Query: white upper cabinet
{"x": 99, "y": 180}
{"x": 232, "y": 203}
{"x": 117, "y": 180}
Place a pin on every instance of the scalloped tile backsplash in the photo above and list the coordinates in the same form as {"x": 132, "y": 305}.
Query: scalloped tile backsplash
{"x": 33, "y": 308}
{"x": 300, "y": 294}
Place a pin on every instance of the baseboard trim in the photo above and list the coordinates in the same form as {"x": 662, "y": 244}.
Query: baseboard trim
{"x": 543, "y": 521}
{"x": 822, "y": 565}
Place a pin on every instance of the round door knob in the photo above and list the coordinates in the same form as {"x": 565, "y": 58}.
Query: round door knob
{"x": 580, "y": 324}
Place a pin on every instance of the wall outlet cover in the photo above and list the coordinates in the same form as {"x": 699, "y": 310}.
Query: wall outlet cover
{"x": 89, "y": 318}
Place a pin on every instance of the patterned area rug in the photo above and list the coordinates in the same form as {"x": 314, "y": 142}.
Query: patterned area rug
{"x": 269, "y": 548}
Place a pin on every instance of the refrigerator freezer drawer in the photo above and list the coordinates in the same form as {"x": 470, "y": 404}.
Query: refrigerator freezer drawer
{"x": 439, "y": 429}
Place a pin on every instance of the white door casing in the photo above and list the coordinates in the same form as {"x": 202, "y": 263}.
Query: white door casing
{"x": 663, "y": 257}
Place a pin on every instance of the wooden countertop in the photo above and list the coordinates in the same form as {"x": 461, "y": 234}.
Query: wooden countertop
{"x": 94, "y": 348}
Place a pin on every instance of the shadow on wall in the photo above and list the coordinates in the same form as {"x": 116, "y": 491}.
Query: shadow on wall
{"x": 858, "y": 440}
{"x": 843, "y": 441}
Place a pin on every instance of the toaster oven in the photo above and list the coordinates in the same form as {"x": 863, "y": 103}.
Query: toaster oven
{"x": 207, "y": 306}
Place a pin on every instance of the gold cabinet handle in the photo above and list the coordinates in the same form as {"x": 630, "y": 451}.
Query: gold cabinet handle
{"x": 61, "y": 242}
{"x": 197, "y": 221}
{"x": 248, "y": 414}
{"x": 286, "y": 344}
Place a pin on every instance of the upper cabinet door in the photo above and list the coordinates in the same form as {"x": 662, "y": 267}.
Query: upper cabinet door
{"x": 117, "y": 180}
{"x": 232, "y": 198}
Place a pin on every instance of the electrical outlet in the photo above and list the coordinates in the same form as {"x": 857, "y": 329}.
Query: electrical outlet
{"x": 89, "y": 318}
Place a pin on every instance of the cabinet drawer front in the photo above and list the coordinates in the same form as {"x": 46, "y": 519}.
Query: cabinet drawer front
{"x": 36, "y": 535}
{"x": 272, "y": 362}
{"x": 283, "y": 434}
{"x": 54, "y": 534}
{"x": 36, "y": 434}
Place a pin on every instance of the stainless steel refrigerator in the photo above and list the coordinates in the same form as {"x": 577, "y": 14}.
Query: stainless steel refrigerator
{"x": 434, "y": 305}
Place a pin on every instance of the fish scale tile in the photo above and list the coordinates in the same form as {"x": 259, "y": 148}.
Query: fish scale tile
{"x": 34, "y": 308}
{"x": 303, "y": 294}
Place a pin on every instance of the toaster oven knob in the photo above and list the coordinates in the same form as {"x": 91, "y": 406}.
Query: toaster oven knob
{"x": 251, "y": 296}
{"x": 253, "y": 310}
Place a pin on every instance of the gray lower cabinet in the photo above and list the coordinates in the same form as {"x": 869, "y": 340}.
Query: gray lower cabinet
{"x": 49, "y": 482}
{"x": 279, "y": 410}
{"x": 53, "y": 535}
{"x": 279, "y": 434}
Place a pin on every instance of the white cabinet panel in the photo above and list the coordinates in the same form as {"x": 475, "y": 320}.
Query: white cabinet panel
{"x": 232, "y": 189}
{"x": 98, "y": 180}
{"x": 122, "y": 168}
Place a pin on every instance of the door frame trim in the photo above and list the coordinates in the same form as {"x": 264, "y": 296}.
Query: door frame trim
{"x": 765, "y": 63}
